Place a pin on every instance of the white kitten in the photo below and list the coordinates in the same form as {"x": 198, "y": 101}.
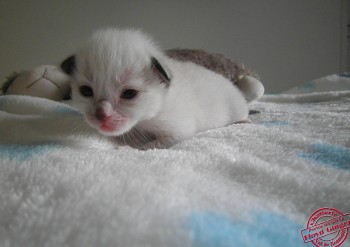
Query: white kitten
{"x": 126, "y": 87}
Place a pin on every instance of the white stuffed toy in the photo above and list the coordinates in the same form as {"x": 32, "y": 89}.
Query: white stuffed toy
{"x": 45, "y": 81}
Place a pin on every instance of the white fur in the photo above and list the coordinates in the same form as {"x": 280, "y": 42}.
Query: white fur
{"x": 195, "y": 100}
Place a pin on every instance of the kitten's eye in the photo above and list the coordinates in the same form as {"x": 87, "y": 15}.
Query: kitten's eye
{"x": 129, "y": 94}
{"x": 86, "y": 91}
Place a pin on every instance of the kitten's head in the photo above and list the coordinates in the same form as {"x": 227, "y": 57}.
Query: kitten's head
{"x": 118, "y": 80}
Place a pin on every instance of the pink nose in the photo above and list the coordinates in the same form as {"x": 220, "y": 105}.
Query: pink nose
{"x": 103, "y": 111}
{"x": 102, "y": 115}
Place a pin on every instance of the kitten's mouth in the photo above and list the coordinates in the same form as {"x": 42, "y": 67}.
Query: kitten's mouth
{"x": 110, "y": 127}
{"x": 107, "y": 128}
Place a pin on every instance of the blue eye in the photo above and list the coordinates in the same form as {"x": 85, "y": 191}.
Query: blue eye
{"x": 129, "y": 94}
{"x": 86, "y": 91}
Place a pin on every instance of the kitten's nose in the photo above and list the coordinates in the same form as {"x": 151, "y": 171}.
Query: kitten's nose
{"x": 104, "y": 111}
{"x": 102, "y": 115}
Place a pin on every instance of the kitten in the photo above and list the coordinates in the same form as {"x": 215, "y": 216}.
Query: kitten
{"x": 127, "y": 88}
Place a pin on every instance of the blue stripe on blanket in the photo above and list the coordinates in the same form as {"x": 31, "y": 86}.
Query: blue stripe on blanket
{"x": 328, "y": 154}
{"x": 266, "y": 229}
{"x": 24, "y": 152}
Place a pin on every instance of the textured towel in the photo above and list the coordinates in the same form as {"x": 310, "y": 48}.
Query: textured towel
{"x": 62, "y": 184}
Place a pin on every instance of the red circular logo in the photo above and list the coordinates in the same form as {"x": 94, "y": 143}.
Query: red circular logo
{"x": 326, "y": 227}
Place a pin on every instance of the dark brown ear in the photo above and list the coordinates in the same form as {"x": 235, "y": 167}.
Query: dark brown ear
{"x": 161, "y": 72}
{"x": 68, "y": 65}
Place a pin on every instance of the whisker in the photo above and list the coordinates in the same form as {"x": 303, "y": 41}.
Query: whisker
{"x": 123, "y": 137}
{"x": 78, "y": 126}
{"x": 138, "y": 144}
{"x": 78, "y": 123}
{"x": 143, "y": 137}
{"x": 131, "y": 140}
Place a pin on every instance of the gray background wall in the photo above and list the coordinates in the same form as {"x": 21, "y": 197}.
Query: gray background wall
{"x": 286, "y": 42}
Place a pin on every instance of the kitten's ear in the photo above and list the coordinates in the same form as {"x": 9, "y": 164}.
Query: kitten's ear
{"x": 161, "y": 71}
{"x": 68, "y": 65}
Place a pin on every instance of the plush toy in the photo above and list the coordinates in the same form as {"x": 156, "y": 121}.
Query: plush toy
{"x": 50, "y": 82}
{"x": 245, "y": 79}
{"x": 45, "y": 81}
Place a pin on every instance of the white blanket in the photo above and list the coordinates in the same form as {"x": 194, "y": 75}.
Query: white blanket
{"x": 62, "y": 184}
